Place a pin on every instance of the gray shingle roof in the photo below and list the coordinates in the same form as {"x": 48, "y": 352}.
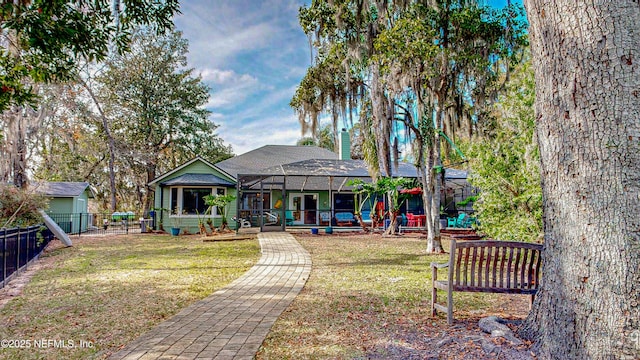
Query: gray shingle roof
{"x": 272, "y": 155}
{"x": 197, "y": 180}
{"x": 63, "y": 189}
{"x": 344, "y": 168}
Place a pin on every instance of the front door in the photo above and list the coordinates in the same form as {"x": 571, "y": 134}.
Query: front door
{"x": 304, "y": 208}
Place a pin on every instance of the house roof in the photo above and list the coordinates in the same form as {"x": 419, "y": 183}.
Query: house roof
{"x": 343, "y": 168}
{"x": 272, "y": 156}
{"x": 197, "y": 180}
{"x": 64, "y": 189}
{"x": 175, "y": 170}
{"x": 313, "y": 174}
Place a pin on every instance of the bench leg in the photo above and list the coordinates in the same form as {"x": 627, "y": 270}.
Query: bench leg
{"x": 434, "y": 291}
{"x": 533, "y": 297}
{"x": 450, "y": 306}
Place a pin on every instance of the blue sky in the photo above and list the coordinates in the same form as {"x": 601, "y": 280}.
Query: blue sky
{"x": 252, "y": 54}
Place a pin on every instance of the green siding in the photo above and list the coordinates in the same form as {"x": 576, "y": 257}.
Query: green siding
{"x": 198, "y": 167}
{"x": 190, "y": 222}
{"x": 61, "y": 205}
{"x": 72, "y": 207}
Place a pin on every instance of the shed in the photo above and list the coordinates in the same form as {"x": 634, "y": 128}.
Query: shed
{"x": 68, "y": 204}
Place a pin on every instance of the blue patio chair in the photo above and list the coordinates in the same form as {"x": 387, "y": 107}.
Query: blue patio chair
{"x": 452, "y": 222}
{"x": 366, "y": 216}
{"x": 458, "y": 222}
{"x": 288, "y": 217}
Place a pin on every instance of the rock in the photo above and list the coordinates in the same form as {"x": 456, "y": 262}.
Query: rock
{"x": 490, "y": 348}
{"x": 496, "y": 327}
{"x": 444, "y": 342}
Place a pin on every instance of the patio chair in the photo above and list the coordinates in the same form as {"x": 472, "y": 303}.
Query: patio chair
{"x": 345, "y": 219}
{"x": 467, "y": 221}
{"x": 366, "y": 216}
{"x": 457, "y": 221}
{"x": 270, "y": 219}
{"x": 288, "y": 217}
{"x": 411, "y": 220}
{"x": 325, "y": 217}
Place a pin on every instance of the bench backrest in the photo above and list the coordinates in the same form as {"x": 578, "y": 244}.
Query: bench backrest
{"x": 495, "y": 266}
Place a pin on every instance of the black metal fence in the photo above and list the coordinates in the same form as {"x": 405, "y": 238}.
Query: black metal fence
{"x": 97, "y": 223}
{"x": 19, "y": 247}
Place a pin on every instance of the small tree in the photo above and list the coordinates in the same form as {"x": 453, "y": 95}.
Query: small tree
{"x": 370, "y": 192}
{"x": 392, "y": 187}
{"x": 505, "y": 166}
{"x": 221, "y": 202}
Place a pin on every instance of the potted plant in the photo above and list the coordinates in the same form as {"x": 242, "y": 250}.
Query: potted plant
{"x": 176, "y": 223}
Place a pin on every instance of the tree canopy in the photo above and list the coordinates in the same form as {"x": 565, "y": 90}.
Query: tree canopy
{"x": 505, "y": 166}
{"x": 430, "y": 67}
{"x": 45, "y": 40}
{"x": 139, "y": 115}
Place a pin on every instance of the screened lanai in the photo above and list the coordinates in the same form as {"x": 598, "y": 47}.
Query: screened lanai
{"x": 312, "y": 193}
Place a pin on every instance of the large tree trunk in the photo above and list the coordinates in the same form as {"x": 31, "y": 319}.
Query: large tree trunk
{"x": 586, "y": 61}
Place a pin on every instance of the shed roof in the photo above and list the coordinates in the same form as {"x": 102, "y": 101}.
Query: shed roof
{"x": 64, "y": 189}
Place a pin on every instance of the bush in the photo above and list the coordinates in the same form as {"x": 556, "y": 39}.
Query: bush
{"x": 19, "y": 208}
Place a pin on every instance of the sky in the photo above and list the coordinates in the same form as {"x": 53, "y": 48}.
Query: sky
{"x": 252, "y": 54}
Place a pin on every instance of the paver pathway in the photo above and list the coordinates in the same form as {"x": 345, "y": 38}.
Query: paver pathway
{"x": 233, "y": 321}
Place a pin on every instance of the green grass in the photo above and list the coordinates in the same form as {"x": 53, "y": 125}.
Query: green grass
{"x": 108, "y": 291}
{"x": 364, "y": 292}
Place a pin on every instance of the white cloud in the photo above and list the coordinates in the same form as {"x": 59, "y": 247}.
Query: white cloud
{"x": 252, "y": 135}
{"x": 228, "y": 87}
{"x": 252, "y": 54}
{"x": 223, "y": 77}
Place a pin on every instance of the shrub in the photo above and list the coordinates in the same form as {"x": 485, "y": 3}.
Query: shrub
{"x": 19, "y": 208}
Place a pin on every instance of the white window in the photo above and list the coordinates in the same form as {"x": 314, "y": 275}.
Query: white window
{"x": 190, "y": 200}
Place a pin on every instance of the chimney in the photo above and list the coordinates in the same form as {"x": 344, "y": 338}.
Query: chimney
{"x": 344, "y": 145}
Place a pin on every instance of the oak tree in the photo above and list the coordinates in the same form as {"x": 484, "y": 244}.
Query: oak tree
{"x": 585, "y": 58}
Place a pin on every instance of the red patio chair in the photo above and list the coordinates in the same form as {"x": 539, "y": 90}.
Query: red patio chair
{"x": 411, "y": 220}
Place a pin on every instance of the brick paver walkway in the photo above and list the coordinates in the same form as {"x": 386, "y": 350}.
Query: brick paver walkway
{"x": 233, "y": 321}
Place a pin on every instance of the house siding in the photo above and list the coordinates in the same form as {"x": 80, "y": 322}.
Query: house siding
{"x": 189, "y": 223}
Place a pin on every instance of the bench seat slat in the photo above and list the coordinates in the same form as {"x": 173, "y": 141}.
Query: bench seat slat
{"x": 524, "y": 289}
{"x": 495, "y": 290}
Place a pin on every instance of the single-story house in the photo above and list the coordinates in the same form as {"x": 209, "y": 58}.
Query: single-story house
{"x": 276, "y": 186}
{"x": 68, "y": 204}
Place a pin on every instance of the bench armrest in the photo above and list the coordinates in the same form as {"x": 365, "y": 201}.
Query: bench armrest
{"x": 439, "y": 265}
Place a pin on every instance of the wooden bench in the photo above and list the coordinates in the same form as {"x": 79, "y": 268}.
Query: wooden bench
{"x": 506, "y": 267}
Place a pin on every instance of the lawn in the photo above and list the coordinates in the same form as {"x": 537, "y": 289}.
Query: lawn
{"x": 368, "y": 297}
{"x": 93, "y": 298}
